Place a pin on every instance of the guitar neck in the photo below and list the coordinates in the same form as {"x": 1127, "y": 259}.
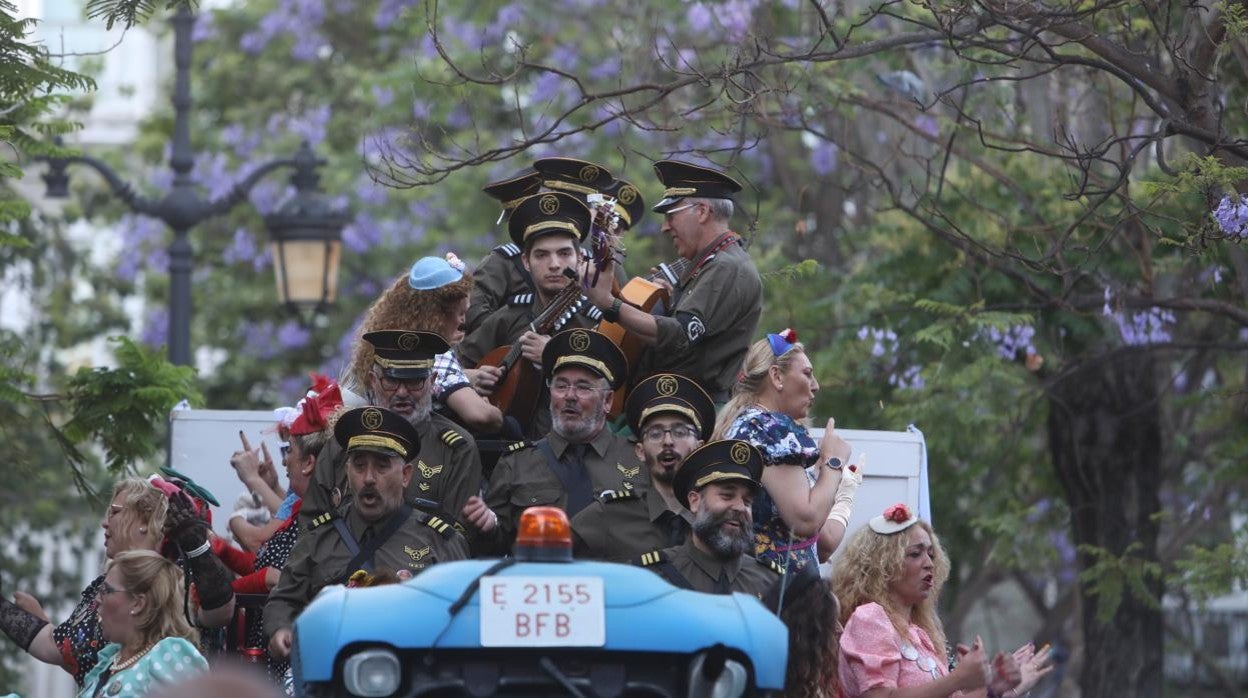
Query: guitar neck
{"x": 560, "y": 304}
{"x": 671, "y": 271}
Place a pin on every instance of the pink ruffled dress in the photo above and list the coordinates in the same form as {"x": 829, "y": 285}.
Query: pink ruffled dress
{"x": 874, "y": 656}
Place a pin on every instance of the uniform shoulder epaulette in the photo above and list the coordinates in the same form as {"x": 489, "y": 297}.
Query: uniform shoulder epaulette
{"x": 321, "y": 520}
{"x": 653, "y": 557}
{"x": 520, "y": 299}
{"x": 444, "y": 526}
{"x": 616, "y": 495}
{"x": 519, "y": 446}
{"x": 450, "y": 437}
{"x": 508, "y": 250}
{"x": 772, "y": 565}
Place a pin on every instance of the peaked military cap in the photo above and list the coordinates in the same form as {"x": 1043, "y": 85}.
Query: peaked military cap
{"x": 628, "y": 202}
{"x": 404, "y": 354}
{"x": 729, "y": 460}
{"x": 511, "y": 191}
{"x": 544, "y": 214}
{"x": 681, "y": 179}
{"x": 587, "y": 349}
{"x": 573, "y": 176}
{"x": 670, "y": 393}
{"x": 377, "y": 429}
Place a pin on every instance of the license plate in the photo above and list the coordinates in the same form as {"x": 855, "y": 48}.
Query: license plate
{"x": 543, "y": 612}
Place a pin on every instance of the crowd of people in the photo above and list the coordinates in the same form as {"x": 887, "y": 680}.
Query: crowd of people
{"x": 670, "y": 439}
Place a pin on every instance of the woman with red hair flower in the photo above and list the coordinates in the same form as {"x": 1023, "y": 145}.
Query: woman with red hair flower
{"x": 888, "y": 578}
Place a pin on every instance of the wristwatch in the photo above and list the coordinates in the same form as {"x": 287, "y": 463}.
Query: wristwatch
{"x": 612, "y": 314}
{"x": 834, "y": 463}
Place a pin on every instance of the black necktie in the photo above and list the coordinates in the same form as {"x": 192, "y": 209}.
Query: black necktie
{"x": 722, "y": 585}
{"x": 675, "y": 527}
{"x": 580, "y": 489}
{"x": 365, "y": 539}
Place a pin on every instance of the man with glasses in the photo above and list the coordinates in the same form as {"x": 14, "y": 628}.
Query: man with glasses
{"x": 671, "y": 416}
{"x": 448, "y": 471}
{"x": 717, "y": 303}
{"x": 580, "y": 457}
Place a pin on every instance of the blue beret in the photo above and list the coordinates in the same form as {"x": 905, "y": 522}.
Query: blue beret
{"x": 429, "y": 273}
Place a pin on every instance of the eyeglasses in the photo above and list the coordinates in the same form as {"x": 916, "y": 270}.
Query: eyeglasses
{"x": 667, "y": 215}
{"x": 285, "y": 450}
{"x": 107, "y": 589}
{"x": 581, "y": 389}
{"x": 413, "y": 384}
{"x": 656, "y": 433}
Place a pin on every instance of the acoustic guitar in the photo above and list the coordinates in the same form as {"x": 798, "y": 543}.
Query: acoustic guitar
{"x": 520, "y": 386}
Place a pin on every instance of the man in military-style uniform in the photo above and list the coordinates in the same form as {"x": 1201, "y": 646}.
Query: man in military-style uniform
{"x": 376, "y": 529}
{"x": 448, "y": 470}
{"x": 550, "y": 228}
{"x": 717, "y": 482}
{"x": 578, "y": 460}
{"x": 717, "y": 303}
{"x": 671, "y": 416}
{"x": 501, "y": 273}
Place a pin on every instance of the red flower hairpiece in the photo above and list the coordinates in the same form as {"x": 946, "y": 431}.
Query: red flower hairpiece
{"x": 897, "y": 513}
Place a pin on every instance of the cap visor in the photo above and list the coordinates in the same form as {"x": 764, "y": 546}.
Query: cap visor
{"x": 665, "y": 204}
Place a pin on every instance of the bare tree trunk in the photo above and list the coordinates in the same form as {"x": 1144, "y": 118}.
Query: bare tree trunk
{"x": 1105, "y": 435}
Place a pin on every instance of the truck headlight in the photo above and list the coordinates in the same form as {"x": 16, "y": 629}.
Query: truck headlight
{"x": 372, "y": 673}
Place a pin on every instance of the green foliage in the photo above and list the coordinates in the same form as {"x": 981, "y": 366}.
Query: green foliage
{"x": 1110, "y": 576}
{"x": 117, "y": 407}
{"x": 1209, "y": 572}
{"x": 128, "y": 12}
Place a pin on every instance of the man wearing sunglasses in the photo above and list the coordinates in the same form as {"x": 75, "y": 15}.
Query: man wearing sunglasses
{"x": 671, "y": 416}
{"x": 716, "y": 304}
{"x": 580, "y": 457}
{"x": 448, "y": 471}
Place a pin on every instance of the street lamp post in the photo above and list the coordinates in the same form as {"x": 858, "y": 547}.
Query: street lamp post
{"x": 307, "y": 215}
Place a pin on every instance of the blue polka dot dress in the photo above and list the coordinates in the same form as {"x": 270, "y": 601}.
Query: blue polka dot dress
{"x": 170, "y": 661}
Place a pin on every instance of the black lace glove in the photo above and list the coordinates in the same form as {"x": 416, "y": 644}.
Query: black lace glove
{"x": 19, "y": 625}
{"x": 184, "y": 526}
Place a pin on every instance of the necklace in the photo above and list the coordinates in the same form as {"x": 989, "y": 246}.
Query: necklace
{"x": 120, "y": 666}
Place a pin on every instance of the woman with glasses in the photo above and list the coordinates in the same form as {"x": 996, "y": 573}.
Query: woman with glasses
{"x": 134, "y": 520}
{"x": 150, "y": 643}
{"x": 804, "y": 491}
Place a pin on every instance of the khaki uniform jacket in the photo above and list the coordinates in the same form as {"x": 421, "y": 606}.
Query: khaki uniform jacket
{"x": 523, "y": 479}
{"x": 447, "y": 471}
{"x": 499, "y": 276}
{"x": 620, "y": 526}
{"x": 320, "y": 558}
{"x": 707, "y": 334}
{"x": 699, "y": 571}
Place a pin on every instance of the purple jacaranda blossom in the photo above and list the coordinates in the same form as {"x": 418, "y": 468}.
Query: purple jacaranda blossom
{"x": 139, "y": 234}
{"x": 307, "y": 47}
{"x": 510, "y": 16}
{"x": 1232, "y": 217}
{"x": 242, "y": 248}
{"x": 369, "y": 192}
{"x": 927, "y": 124}
{"x": 1210, "y": 275}
{"x": 205, "y": 27}
{"x": 884, "y": 341}
{"x": 389, "y": 12}
{"x": 1012, "y": 340}
{"x": 240, "y": 139}
{"x": 459, "y": 117}
{"x": 700, "y": 18}
{"x": 155, "y": 326}
{"x": 291, "y": 335}
{"x": 253, "y": 43}
{"x": 736, "y": 17}
{"x": 257, "y": 339}
{"x": 608, "y": 69}
{"x": 383, "y": 96}
{"x": 311, "y": 124}
{"x": 292, "y": 389}
{"x": 1059, "y": 539}
{"x": 421, "y": 110}
{"x": 908, "y": 379}
{"x": 823, "y": 158}
{"x": 1146, "y": 327}
{"x": 268, "y": 193}
{"x": 367, "y": 288}
{"x": 362, "y": 234}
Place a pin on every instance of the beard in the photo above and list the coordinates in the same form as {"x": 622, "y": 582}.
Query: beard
{"x": 422, "y": 410}
{"x": 577, "y": 428}
{"x": 725, "y": 542}
{"x": 657, "y": 465}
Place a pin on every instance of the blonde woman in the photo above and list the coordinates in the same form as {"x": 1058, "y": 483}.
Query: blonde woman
{"x": 134, "y": 520}
{"x": 150, "y": 642}
{"x": 801, "y": 514}
{"x": 889, "y": 578}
